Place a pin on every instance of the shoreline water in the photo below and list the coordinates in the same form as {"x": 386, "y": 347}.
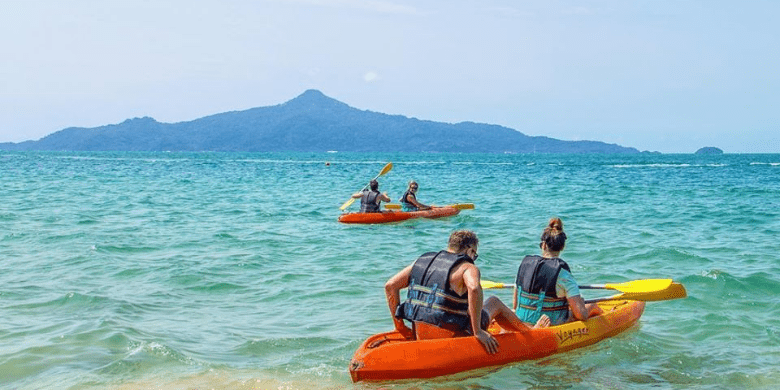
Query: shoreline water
{"x": 215, "y": 270}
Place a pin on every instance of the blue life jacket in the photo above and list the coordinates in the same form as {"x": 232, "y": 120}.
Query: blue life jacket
{"x": 369, "y": 203}
{"x": 536, "y": 279}
{"x": 405, "y": 204}
{"x": 429, "y": 296}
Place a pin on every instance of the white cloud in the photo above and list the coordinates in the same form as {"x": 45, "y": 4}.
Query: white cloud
{"x": 370, "y": 77}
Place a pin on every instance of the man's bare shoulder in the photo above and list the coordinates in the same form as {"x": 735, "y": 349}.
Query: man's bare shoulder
{"x": 465, "y": 267}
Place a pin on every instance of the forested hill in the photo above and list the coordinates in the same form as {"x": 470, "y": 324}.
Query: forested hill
{"x": 312, "y": 122}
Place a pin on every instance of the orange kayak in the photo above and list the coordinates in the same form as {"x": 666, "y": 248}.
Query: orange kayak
{"x": 396, "y": 216}
{"x": 388, "y": 356}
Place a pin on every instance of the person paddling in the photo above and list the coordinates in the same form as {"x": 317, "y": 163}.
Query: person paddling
{"x": 409, "y": 199}
{"x": 444, "y": 292}
{"x": 545, "y": 287}
{"x": 370, "y": 199}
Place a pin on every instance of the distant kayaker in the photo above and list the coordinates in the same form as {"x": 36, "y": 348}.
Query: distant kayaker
{"x": 444, "y": 291}
{"x": 409, "y": 200}
{"x": 370, "y": 199}
{"x": 545, "y": 284}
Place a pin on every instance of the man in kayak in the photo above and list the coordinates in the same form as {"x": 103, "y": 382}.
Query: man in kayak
{"x": 371, "y": 199}
{"x": 409, "y": 200}
{"x": 545, "y": 284}
{"x": 444, "y": 290}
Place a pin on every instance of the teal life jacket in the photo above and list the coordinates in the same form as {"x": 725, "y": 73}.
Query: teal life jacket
{"x": 536, "y": 280}
{"x": 429, "y": 296}
{"x": 405, "y": 204}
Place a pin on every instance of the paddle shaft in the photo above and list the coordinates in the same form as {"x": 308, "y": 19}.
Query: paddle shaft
{"x": 634, "y": 286}
{"x": 459, "y": 206}
{"x": 672, "y": 291}
{"x": 583, "y": 287}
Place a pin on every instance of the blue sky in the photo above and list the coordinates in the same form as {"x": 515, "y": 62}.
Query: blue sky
{"x": 660, "y": 75}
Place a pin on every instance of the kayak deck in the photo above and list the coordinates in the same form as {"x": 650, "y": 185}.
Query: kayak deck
{"x": 397, "y": 216}
{"x": 389, "y": 356}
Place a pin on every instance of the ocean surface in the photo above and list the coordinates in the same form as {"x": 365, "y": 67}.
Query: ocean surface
{"x": 230, "y": 271}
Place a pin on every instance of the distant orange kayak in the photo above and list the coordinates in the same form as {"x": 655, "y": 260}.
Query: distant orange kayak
{"x": 396, "y": 216}
{"x": 389, "y": 356}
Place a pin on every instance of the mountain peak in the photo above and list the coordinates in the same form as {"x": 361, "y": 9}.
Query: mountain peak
{"x": 312, "y": 94}
{"x": 312, "y": 98}
{"x": 141, "y": 121}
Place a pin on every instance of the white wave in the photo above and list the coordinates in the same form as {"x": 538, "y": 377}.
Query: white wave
{"x": 775, "y": 164}
{"x": 420, "y": 162}
{"x": 481, "y": 163}
{"x": 656, "y": 165}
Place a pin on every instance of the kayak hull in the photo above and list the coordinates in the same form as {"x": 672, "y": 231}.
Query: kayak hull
{"x": 397, "y": 216}
{"x": 389, "y": 356}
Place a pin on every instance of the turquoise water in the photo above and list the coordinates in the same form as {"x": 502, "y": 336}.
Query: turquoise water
{"x": 229, "y": 271}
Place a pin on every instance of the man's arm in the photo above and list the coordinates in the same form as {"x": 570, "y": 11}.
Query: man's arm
{"x": 582, "y": 311}
{"x": 568, "y": 286}
{"x": 471, "y": 278}
{"x": 413, "y": 200}
{"x": 384, "y": 198}
{"x": 393, "y": 293}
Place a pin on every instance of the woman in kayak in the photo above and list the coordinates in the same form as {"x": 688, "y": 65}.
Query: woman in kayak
{"x": 371, "y": 199}
{"x": 545, "y": 287}
{"x": 409, "y": 200}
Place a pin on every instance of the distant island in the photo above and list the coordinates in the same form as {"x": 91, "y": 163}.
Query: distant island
{"x": 311, "y": 122}
{"x": 709, "y": 150}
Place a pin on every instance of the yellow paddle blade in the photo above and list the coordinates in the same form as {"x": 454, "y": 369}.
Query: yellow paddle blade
{"x": 639, "y": 286}
{"x": 384, "y": 170}
{"x": 634, "y": 286}
{"x": 459, "y": 206}
{"x": 489, "y": 284}
{"x": 673, "y": 291}
{"x": 463, "y": 206}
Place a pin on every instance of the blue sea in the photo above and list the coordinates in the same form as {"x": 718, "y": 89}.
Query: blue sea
{"x": 230, "y": 271}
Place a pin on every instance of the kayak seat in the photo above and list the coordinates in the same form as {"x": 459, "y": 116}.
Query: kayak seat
{"x": 426, "y": 331}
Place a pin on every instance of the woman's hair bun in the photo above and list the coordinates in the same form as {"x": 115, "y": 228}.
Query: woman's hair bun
{"x": 554, "y": 236}
{"x": 555, "y": 224}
